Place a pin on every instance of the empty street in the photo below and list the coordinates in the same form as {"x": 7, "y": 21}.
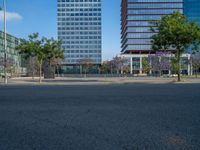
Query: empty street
{"x": 100, "y": 117}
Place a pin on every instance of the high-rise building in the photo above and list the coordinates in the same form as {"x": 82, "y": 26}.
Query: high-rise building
{"x": 191, "y": 10}
{"x": 14, "y": 65}
{"x": 136, "y": 22}
{"x": 79, "y": 29}
{"x": 136, "y": 16}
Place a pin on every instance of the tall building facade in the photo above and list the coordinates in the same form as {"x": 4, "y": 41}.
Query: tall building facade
{"x": 14, "y": 63}
{"x": 79, "y": 29}
{"x": 136, "y": 22}
{"x": 191, "y": 10}
{"x": 136, "y": 16}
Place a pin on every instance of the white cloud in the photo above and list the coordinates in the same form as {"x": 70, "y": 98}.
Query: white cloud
{"x": 11, "y": 16}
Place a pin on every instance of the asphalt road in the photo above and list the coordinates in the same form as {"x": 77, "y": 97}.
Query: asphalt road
{"x": 101, "y": 117}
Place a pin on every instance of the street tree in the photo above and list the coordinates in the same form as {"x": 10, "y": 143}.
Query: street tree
{"x": 28, "y": 49}
{"x": 159, "y": 62}
{"x": 33, "y": 48}
{"x": 146, "y": 65}
{"x": 40, "y": 51}
{"x": 111, "y": 65}
{"x": 195, "y": 62}
{"x": 10, "y": 64}
{"x": 53, "y": 53}
{"x": 105, "y": 68}
{"x": 174, "y": 32}
{"x": 85, "y": 64}
{"x": 120, "y": 64}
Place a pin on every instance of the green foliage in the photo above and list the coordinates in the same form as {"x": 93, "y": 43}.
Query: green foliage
{"x": 175, "y": 65}
{"x": 52, "y": 50}
{"x": 176, "y": 33}
{"x": 104, "y": 68}
{"x": 42, "y": 49}
{"x": 145, "y": 65}
{"x": 30, "y": 47}
{"x": 49, "y": 49}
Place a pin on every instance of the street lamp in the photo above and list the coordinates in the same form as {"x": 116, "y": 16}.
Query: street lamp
{"x": 5, "y": 46}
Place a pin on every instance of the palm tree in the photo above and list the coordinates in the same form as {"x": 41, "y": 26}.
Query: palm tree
{"x": 53, "y": 52}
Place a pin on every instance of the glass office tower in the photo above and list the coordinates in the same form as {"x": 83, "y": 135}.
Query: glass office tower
{"x": 192, "y": 10}
{"x": 79, "y": 29}
{"x": 13, "y": 58}
{"x": 136, "y": 16}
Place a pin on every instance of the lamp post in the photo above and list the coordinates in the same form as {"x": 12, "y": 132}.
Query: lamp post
{"x": 5, "y": 46}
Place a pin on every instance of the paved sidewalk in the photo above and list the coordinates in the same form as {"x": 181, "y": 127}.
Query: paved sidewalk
{"x": 99, "y": 80}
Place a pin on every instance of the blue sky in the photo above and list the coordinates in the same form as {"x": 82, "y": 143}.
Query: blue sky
{"x": 29, "y": 16}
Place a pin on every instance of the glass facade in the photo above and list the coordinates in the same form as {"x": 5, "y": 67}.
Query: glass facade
{"x": 192, "y": 10}
{"x": 14, "y": 59}
{"x": 79, "y": 29}
{"x": 136, "y": 16}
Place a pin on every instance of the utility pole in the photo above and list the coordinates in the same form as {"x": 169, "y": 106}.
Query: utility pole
{"x": 5, "y": 46}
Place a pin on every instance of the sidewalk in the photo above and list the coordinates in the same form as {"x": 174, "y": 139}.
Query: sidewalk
{"x": 98, "y": 80}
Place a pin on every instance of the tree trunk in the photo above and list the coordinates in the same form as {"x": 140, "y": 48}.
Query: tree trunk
{"x": 40, "y": 78}
{"x": 31, "y": 68}
{"x": 179, "y": 66}
{"x": 179, "y": 77}
{"x": 57, "y": 68}
{"x": 196, "y": 68}
{"x": 33, "y": 74}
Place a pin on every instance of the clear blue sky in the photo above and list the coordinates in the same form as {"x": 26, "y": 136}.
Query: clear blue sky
{"x": 28, "y": 16}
